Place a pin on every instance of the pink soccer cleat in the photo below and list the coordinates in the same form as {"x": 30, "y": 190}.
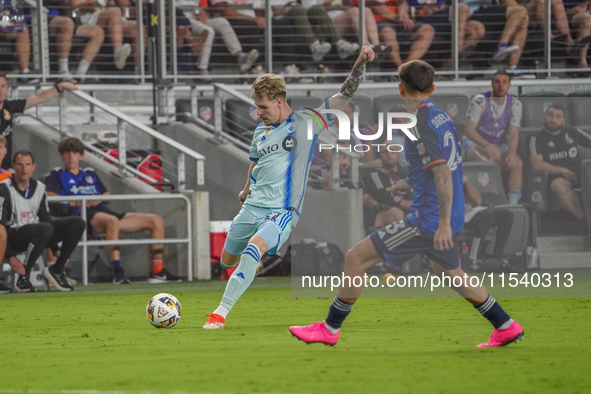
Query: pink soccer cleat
{"x": 315, "y": 333}
{"x": 513, "y": 333}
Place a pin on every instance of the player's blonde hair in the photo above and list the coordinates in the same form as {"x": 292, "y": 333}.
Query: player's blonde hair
{"x": 2, "y": 140}
{"x": 270, "y": 86}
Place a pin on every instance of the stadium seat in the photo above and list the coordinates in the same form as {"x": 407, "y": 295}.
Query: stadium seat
{"x": 240, "y": 118}
{"x": 488, "y": 180}
{"x": 456, "y": 106}
{"x": 586, "y": 186}
{"x": 486, "y": 177}
{"x": 205, "y": 110}
{"x": 579, "y": 104}
{"x": 387, "y": 103}
{"x": 297, "y": 102}
{"x": 367, "y": 115}
{"x": 535, "y": 105}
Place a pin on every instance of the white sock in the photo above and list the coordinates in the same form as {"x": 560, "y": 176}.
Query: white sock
{"x": 63, "y": 66}
{"x": 83, "y": 67}
{"x": 242, "y": 276}
{"x": 331, "y": 329}
{"x": 222, "y": 311}
{"x": 26, "y": 70}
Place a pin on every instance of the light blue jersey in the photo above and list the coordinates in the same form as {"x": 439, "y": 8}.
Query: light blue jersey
{"x": 283, "y": 153}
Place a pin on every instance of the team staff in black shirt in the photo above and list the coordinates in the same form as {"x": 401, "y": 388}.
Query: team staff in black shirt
{"x": 555, "y": 149}
{"x": 10, "y": 107}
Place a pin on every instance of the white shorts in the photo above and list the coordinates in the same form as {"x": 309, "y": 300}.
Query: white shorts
{"x": 274, "y": 225}
{"x": 90, "y": 18}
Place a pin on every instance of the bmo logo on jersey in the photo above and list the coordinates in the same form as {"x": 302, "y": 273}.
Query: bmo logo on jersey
{"x": 394, "y": 121}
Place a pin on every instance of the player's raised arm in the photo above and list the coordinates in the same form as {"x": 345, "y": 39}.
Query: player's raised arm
{"x": 339, "y": 101}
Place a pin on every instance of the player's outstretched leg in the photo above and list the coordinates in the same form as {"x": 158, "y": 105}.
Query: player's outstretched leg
{"x": 357, "y": 261}
{"x": 238, "y": 282}
{"x": 506, "y": 329}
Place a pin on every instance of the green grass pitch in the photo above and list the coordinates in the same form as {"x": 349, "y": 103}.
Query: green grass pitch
{"x": 97, "y": 339}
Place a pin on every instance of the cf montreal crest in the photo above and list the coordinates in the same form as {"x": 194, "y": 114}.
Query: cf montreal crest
{"x": 290, "y": 143}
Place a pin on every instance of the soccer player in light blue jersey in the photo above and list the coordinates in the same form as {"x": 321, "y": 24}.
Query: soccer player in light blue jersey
{"x": 281, "y": 153}
{"x": 437, "y": 216}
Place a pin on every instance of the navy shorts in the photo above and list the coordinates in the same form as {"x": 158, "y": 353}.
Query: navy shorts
{"x": 401, "y": 241}
{"x": 91, "y": 211}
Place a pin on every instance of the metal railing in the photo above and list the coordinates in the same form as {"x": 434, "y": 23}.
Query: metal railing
{"x": 85, "y": 243}
{"x": 123, "y": 120}
{"x": 166, "y": 65}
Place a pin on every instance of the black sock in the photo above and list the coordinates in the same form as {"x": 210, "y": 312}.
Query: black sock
{"x": 338, "y": 313}
{"x": 494, "y": 313}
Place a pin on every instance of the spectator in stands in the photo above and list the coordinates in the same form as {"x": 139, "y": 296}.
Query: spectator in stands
{"x": 395, "y": 28}
{"x": 345, "y": 16}
{"x": 14, "y": 28}
{"x": 492, "y": 131}
{"x": 247, "y": 23}
{"x": 563, "y": 12}
{"x": 555, "y": 149}
{"x": 510, "y": 21}
{"x": 205, "y": 26}
{"x": 580, "y": 18}
{"x": 130, "y": 28}
{"x": 480, "y": 220}
{"x": 380, "y": 206}
{"x": 29, "y": 227}
{"x": 439, "y": 15}
{"x": 8, "y": 108}
{"x": 72, "y": 180}
{"x": 111, "y": 21}
{"x": 307, "y": 21}
{"x": 62, "y": 27}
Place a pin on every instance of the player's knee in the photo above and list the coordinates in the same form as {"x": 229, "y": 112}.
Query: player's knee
{"x": 156, "y": 222}
{"x": 260, "y": 243}
{"x": 559, "y": 186}
{"x": 112, "y": 223}
{"x": 352, "y": 258}
{"x": 115, "y": 13}
{"x": 229, "y": 259}
{"x": 98, "y": 34}
{"x": 77, "y": 225}
{"x": 66, "y": 25}
{"x": 43, "y": 231}
{"x": 353, "y": 12}
{"x": 425, "y": 32}
{"x": 517, "y": 165}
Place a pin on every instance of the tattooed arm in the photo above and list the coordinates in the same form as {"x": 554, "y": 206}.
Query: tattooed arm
{"x": 339, "y": 101}
{"x": 445, "y": 192}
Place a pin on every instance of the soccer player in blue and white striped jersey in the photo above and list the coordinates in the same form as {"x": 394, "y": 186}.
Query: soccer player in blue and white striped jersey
{"x": 281, "y": 153}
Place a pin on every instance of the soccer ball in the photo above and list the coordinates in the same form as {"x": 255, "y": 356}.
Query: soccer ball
{"x": 164, "y": 310}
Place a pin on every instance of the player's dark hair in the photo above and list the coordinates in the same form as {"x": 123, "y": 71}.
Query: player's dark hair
{"x": 501, "y": 72}
{"x": 416, "y": 76}
{"x": 23, "y": 152}
{"x": 3, "y": 75}
{"x": 71, "y": 145}
{"x": 558, "y": 107}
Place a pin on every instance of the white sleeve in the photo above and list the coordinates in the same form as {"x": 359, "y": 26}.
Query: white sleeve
{"x": 476, "y": 108}
{"x": 516, "y": 112}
